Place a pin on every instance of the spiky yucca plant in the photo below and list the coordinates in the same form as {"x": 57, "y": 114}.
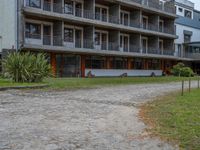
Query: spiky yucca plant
{"x": 26, "y": 67}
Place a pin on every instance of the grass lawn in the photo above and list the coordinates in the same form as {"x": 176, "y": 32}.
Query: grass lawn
{"x": 9, "y": 83}
{"x": 175, "y": 118}
{"x": 74, "y": 83}
{"x": 70, "y": 83}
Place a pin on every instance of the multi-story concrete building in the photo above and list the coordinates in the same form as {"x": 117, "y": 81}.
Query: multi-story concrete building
{"x": 188, "y": 30}
{"x": 101, "y": 37}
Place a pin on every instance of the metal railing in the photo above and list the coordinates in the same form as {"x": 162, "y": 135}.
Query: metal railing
{"x": 113, "y": 46}
{"x": 134, "y": 48}
{"x": 46, "y": 39}
{"x": 89, "y": 14}
{"x": 32, "y": 36}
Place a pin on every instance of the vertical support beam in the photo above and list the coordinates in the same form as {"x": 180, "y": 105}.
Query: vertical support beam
{"x": 108, "y": 62}
{"x": 129, "y": 63}
{"x": 53, "y": 64}
{"x": 146, "y": 64}
{"x": 83, "y": 66}
{"x": 162, "y": 64}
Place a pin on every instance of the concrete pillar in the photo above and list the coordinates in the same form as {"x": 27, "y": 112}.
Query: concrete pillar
{"x": 83, "y": 66}
{"x": 53, "y": 63}
{"x": 129, "y": 63}
{"x": 108, "y": 62}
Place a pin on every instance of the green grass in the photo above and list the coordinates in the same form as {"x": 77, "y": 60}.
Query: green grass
{"x": 74, "y": 83}
{"x": 176, "y": 118}
{"x": 9, "y": 83}
{"x": 71, "y": 83}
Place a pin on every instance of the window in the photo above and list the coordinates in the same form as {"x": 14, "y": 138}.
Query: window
{"x": 97, "y": 38}
{"x": 187, "y": 38}
{"x": 34, "y": 3}
{"x": 180, "y": 9}
{"x": 97, "y": 13}
{"x": 95, "y": 62}
{"x": 33, "y": 31}
{"x": 124, "y": 18}
{"x": 138, "y": 63}
{"x": 68, "y": 7}
{"x": 188, "y": 14}
{"x": 161, "y": 25}
{"x": 68, "y": 35}
{"x": 119, "y": 63}
{"x": 154, "y": 64}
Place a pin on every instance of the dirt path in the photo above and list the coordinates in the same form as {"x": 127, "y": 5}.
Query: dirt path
{"x": 94, "y": 119}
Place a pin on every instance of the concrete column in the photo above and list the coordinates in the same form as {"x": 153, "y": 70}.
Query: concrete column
{"x": 108, "y": 62}
{"x": 129, "y": 63}
{"x": 53, "y": 63}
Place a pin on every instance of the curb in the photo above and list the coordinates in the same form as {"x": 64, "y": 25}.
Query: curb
{"x": 23, "y": 87}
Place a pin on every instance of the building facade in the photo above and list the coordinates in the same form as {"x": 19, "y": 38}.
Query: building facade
{"x": 96, "y": 37}
{"x": 188, "y": 30}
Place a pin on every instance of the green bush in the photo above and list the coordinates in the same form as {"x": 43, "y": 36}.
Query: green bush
{"x": 26, "y": 67}
{"x": 182, "y": 71}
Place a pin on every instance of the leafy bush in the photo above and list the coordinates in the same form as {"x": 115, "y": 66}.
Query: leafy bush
{"x": 26, "y": 67}
{"x": 181, "y": 70}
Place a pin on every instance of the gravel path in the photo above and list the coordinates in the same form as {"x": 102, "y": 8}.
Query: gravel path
{"x": 94, "y": 119}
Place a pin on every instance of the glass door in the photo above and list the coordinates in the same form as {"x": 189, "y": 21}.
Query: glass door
{"x": 104, "y": 43}
{"x": 145, "y": 22}
{"x": 78, "y": 9}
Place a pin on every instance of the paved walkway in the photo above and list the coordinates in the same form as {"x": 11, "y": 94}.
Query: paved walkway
{"x": 94, "y": 119}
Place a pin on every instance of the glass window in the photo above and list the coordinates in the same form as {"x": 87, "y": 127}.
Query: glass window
{"x": 95, "y": 62}
{"x": 138, "y": 63}
{"x": 33, "y": 31}
{"x": 104, "y": 14}
{"x": 188, "y": 14}
{"x": 154, "y": 64}
{"x": 187, "y": 38}
{"x": 180, "y": 9}
{"x": 97, "y": 38}
{"x": 68, "y": 35}
{"x": 68, "y": 7}
{"x": 119, "y": 63}
{"x": 34, "y": 3}
{"x": 97, "y": 13}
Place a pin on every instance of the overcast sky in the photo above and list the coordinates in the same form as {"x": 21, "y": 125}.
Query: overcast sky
{"x": 196, "y": 3}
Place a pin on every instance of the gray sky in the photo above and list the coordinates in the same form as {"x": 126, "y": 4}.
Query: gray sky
{"x": 196, "y": 3}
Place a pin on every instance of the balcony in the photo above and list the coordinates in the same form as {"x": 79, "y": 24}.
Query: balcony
{"x": 168, "y": 7}
{"x": 104, "y": 18}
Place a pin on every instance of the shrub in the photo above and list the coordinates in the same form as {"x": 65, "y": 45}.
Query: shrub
{"x": 26, "y": 67}
{"x": 181, "y": 70}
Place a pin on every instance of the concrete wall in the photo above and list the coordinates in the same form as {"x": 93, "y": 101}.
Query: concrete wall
{"x": 88, "y": 36}
{"x": 135, "y": 18}
{"x": 118, "y": 72}
{"x": 58, "y": 30}
{"x": 135, "y": 42}
{"x": 114, "y": 40}
{"x": 114, "y": 12}
{"x": 8, "y": 24}
{"x": 180, "y": 32}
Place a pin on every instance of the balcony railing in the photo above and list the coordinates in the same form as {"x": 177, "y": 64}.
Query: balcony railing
{"x": 89, "y": 14}
{"x": 89, "y": 44}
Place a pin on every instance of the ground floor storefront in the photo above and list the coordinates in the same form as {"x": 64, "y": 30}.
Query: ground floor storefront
{"x": 74, "y": 65}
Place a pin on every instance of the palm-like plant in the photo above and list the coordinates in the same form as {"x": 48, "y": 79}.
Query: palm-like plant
{"x": 26, "y": 67}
